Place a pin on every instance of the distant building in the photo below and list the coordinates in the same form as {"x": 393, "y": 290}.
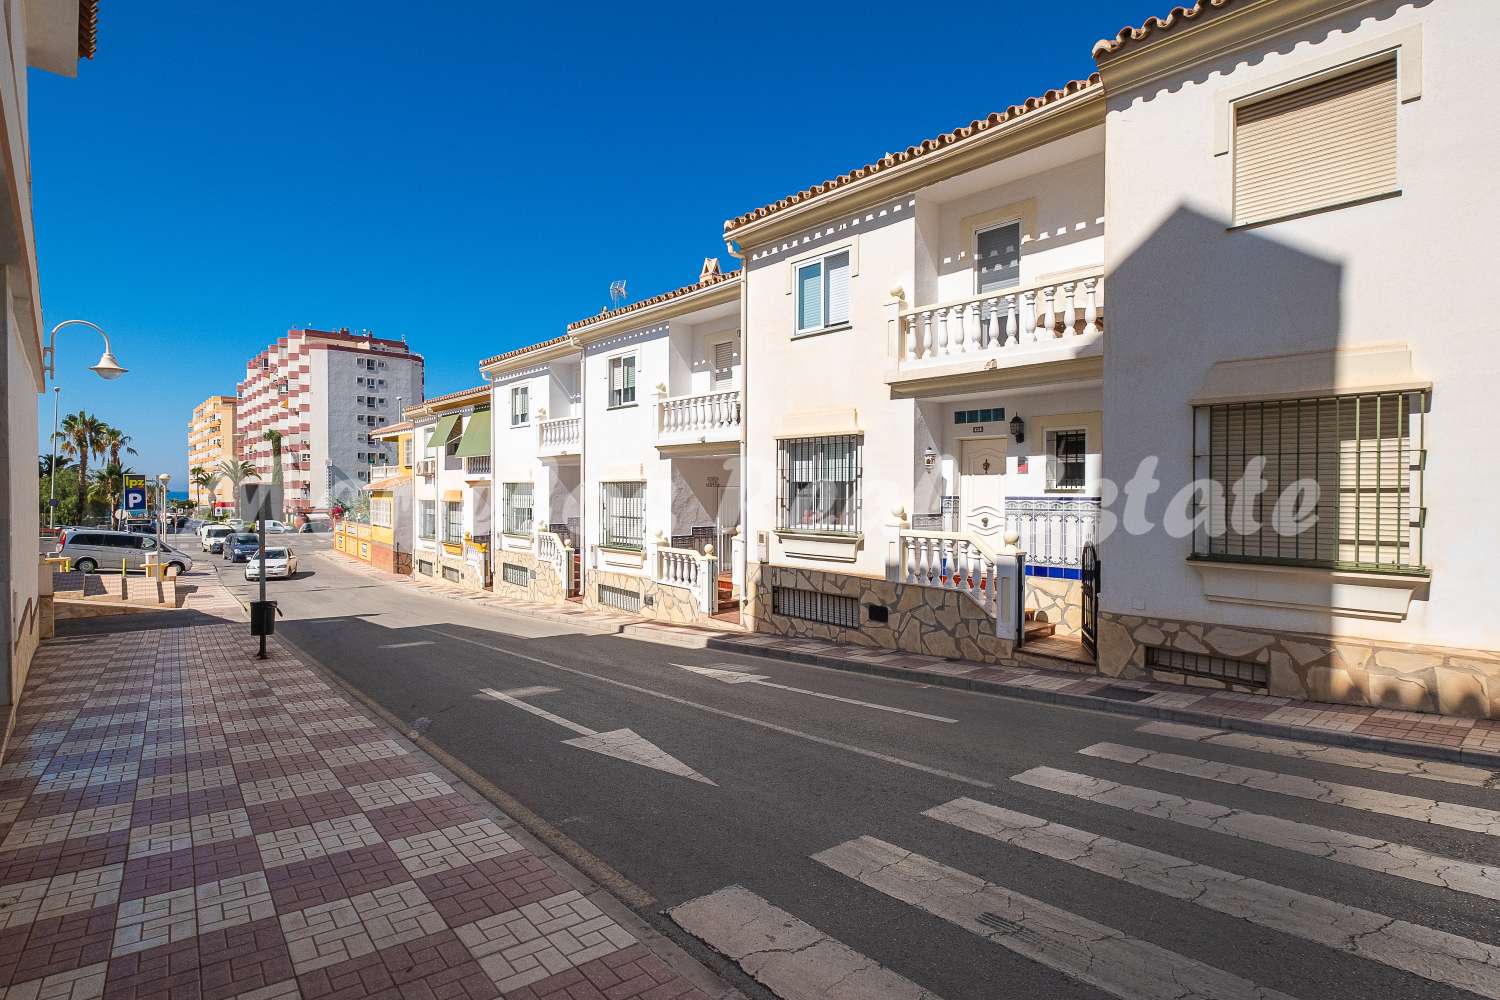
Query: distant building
{"x": 328, "y": 394}
{"x": 212, "y": 440}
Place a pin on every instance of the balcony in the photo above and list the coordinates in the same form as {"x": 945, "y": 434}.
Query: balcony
{"x": 379, "y": 472}
{"x": 688, "y": 423}
{"x": 559, "y": 437}
{"x": 1050, "y": 331}
{"x": 478, "y": 465}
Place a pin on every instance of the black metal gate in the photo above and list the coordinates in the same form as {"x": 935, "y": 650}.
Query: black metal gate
{"x": 1090, "y": 575}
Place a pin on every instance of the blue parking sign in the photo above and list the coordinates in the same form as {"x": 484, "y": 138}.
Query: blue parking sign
{"x": 135, "y": 498}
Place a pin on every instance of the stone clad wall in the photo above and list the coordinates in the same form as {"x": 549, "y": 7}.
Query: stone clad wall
{"x": 1348, "y": 671}
{"x": 545, "y": 587}
{"x": 1057, "y": 601}
{"x": 659, "y": 602}
{"x": 926, "y": 620}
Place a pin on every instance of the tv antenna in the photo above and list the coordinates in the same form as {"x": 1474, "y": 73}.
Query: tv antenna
{"x": 617, "y": 293}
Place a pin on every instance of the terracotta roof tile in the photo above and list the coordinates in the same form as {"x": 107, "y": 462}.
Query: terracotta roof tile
{"x": 447, "y": 396}
{"x": 507, "y": 355}
{"x": 927, "y": 146}
{"x": 1152, "y": 25}
{"x": 88, "y": 28}
{"x": 706, "y": 280}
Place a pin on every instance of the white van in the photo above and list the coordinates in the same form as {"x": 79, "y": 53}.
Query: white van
{"x": 211, "y": 538}
{"x": 91, "y": 549}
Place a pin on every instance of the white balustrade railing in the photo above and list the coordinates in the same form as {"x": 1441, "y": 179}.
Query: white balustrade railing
{"x": 551, "y": 549}
{"x": 562, "y": 434}
{"x": 707, "y": 414}
{"x": 1005, "y": 319}
{"x": 954, "y": 561}
{"x": 1053, "y": 531}
{"x": 690, "y": 570}
{"x": 384, "y": 472}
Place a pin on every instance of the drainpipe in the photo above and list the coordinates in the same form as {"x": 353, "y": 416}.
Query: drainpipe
{"x": 744, "y": 568}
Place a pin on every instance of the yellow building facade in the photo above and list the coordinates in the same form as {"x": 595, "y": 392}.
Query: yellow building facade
{"x": 211, "y": 440}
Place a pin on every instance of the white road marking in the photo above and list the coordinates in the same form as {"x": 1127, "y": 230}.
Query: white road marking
{"x": 1369, "y": 760}
{"x": 407, "y": 645}
{"x": 721, "y": 713}
{"x": 1432, "y": 954}
{"x": 739, "y": 677}
{"x": 793, "y": 959}
{"x": 622, "y": 744}
{"x": 530, "y": 692}
{"x": 1386, "y": 857}
{"x": 1413, "y": 807}
{"x": 1079, "y": 948}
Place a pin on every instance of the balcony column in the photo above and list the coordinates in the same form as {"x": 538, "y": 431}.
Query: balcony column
{"x": 1032, "y": 315}
{"x": 895, "y": 569}
{"x": 664, "y": 421}
{"x": 899, "y": 345}
{"x": 1090, "y": 308}
{"x": 1070, "y": 314}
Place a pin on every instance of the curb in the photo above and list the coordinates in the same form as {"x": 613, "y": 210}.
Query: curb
{"x": 1331, "y": 737}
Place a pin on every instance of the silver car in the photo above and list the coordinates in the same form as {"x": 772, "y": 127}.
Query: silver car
{"x": 92, "y": 549}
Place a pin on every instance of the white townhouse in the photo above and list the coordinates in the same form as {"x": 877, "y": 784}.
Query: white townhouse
{"x": 661, "y": 451}
{"x": 451, "y": 529}
{"x": 924, "y": 362}
{"x": 536, "y": 397}
{"x": 1302, "y": 208}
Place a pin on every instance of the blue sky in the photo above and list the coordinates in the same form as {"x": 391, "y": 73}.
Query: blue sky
{"x": 472, "y": 176}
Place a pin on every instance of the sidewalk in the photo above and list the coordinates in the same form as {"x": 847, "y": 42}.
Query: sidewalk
{"x": 180, "y": 819}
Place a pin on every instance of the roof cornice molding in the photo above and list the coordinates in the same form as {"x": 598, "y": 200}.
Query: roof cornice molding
{"x": 727, "y": 290}
{"x": 1216, "y": 30}
{"x": 1049, "y": 123}
{"x": 540, "y": 354}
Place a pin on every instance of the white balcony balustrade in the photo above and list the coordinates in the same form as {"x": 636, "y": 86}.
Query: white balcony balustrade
{"x": 1008, "y": 326}
{"x": 703, "y": 417}
{"x": 379, "y": 472}
{"x": 953, "y": 561}
{"x": 560, "y": 436}
{"x": 690, "y": 570}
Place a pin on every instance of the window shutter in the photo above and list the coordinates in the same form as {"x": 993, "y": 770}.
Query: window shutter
{"x": 1052, "y": 470}
{"x": 723, "y": 364}
{"x": 1330, "y": 142}
{"x": 809, "y": 296}
{"x": 838, "y": 289}
{"x": 997, "y": 254}
{"x": 616, "y": 367}
{"x": 628, "y": 364}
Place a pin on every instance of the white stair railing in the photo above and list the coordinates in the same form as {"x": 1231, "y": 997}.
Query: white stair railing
{"x": 955, "y": 561}
{"x": 690, "y": 570}
{"x": 551, "y": 549}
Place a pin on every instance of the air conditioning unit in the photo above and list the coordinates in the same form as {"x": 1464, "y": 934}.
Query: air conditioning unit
{"x": 426, "y": 467}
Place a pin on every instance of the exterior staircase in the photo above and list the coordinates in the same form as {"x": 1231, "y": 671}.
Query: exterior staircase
{"x": 1037, "y": 629}
{"x": 724, "y": 594}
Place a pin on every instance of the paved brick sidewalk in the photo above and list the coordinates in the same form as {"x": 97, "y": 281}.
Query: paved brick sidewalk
{"x": 1438, "y": 736}
{"x": 182, "y": 820}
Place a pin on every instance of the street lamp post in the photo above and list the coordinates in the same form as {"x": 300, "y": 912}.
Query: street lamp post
{"x": 107, "y": 368}
{"x": 52, "y": 469}
{"x": 161, "y": 504}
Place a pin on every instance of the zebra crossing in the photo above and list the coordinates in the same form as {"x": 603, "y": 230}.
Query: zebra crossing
{"x": 1421, "y": 955}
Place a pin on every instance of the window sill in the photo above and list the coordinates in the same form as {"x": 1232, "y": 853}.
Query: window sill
{"x": 621, "y": 406}
{"x": 820, "y": 546}
{"x": 1342, "y": 593}
{"x": 1334, "y": 207}
{"x": 835, "y": 328}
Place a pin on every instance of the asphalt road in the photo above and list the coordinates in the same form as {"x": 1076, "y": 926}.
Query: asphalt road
{"x": 740, "y": 782}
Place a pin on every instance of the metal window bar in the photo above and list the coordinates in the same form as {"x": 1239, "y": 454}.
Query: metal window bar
{"x": 819, "y": 484}
{"x": 624, "y": 515}
{"x": 453, "y": 523}
{"x": 1355, "y": 449}
{"x": 429, "y": 519}
{"x": 514, "y": 574}
{"x": 813, "y": 606}
{"x": 1221, "y": 668}
{"x": 517, "y": 513}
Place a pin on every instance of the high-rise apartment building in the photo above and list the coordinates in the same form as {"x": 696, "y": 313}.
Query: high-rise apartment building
{"x": 212, "y": 440}
{"x": 327, "y": 393}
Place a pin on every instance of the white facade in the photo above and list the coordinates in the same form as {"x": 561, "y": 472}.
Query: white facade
{"x": 452, "y": 503}
{"x": 1364, "y": 296}
{"x": 529, "y": 401}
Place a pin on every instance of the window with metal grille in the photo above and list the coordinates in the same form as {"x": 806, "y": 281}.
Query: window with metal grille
{"x": 810, "y": 605}
{"x": 515, "y": 575}
{"x": 382, "y": 512}
{"x": 520, "y": 405}
{"x": 1198, "y": 665}
{"x": 622, "y": 380}
{"x": 424, "y": 567}
{"x": 453, "y": 523}
{"x": 820, "y": 484}
{"x": 619, "y": 598}
{"x": 1065, "y": 451}
{"x": 451, "y": 573}
{"x": 1361, "y": 456}
{"x": 427, "y": 519}
{"x": 624, "y": 515}
{"x": 516, "y": 515}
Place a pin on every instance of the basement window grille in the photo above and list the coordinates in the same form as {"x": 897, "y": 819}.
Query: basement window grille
{"x": 424, "y": 567}
{"x": 810, "y": 605}
{"x": 619, "y": 598}
{"x": 1219, "y": 668}
{"x": 515, "y": 574}
{"x": 1365, "y": 455}
{"x": 451, "y": 573}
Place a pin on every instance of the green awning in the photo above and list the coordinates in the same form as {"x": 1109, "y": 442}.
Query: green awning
{"x": 476, "y": 439}
{"x": 442, "y": 431}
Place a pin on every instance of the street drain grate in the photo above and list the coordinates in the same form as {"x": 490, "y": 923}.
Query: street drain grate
{"x": 1122, "y": 693}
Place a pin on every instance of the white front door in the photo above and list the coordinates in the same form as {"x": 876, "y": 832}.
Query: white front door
{"x": 982, "y": 487}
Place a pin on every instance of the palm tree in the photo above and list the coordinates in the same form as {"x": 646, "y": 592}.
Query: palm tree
{"x": 274, "y": 436}
{"x": 236, "y": 473}
{"x": 205, "y": 482}
{"x": 81, "y": 436}
{"x": 116, "y": 442}
{"x": 46, "y": 465}
{"x": 109, "y": 485}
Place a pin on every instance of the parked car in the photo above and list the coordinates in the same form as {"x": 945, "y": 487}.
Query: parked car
{"x": 212, "y": 537}
{"x": 280, "y": 564}
{"x": 91, "y": 549}
{"x": 274, "y": 527}
{"x": 240, "y": 546}
{"x": 238, "y": 524}
{"x": 140, "y": 527}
